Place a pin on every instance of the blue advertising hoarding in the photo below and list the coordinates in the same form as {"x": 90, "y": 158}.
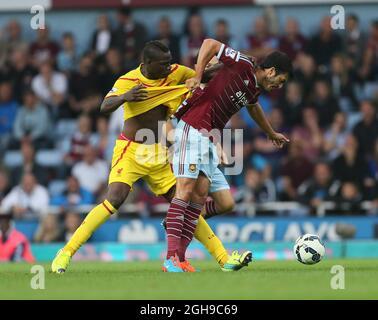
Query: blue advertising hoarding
{"x": 229, "y": 229}
{"x": 282, "y": 250}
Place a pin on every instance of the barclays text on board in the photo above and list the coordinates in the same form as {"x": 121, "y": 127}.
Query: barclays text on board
{"x": 256, "y": 229}
{"x": 231, "y": 229}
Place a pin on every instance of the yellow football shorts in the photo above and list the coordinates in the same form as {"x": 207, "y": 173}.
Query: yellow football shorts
{"x": 133, "y": 161}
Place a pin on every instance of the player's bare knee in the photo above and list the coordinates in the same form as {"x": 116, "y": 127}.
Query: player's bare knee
{"x": 196, "y": 198}
{"x": 227, "y": 206}
{"x": 184, "y": 188}
{"x": 199, "y": 195}
{"x": 201, "y": 189}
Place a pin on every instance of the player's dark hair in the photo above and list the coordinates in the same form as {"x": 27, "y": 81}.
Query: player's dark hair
{"x": 152, "y": 48}
{"x": 280, "y": 61}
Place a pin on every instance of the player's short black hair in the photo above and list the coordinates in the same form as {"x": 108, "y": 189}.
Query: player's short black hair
{"x": 152, "y": 48}
{"x": 280, "y": 61}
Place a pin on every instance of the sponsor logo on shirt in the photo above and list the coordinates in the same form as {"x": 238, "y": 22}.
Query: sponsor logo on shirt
{"x": 240, "y": 99}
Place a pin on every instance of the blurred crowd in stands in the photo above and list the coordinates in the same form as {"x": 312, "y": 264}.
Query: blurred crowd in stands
{"x": 56, "y": 147}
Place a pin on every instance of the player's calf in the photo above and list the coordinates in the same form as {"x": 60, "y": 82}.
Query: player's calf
{"x": 222, "y": 203}
{"x": 212, "y": 208}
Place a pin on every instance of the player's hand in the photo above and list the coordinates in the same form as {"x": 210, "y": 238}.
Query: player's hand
{"x": 278, "y": 139}
{"x": 192, "y": 83}
{"x": 136, "y": 94}
{"x": 222, "y": 155}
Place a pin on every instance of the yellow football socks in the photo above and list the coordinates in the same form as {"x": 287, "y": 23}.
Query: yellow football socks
{"x": 95, "y": 218}
{"x": 206, "y": 236}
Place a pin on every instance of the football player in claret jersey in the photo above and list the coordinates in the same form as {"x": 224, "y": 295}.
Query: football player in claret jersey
{"x": 202, "y": 120}
{"x": 149, "y": 94}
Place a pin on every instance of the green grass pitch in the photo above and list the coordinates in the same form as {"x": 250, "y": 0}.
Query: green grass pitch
{"x": 144, "y": 280}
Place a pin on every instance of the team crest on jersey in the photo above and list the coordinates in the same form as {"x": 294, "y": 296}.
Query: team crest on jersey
{"x": 192, "y": 168}
{"x": 113, "y": 90}
{"x": 230, "y": 53}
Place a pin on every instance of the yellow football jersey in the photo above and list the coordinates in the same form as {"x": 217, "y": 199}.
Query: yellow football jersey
{"x": 169, "y": 91}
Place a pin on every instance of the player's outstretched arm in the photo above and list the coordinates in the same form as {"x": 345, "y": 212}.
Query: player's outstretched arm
{"x": 210, "y": 71}
{"x": 208, "y": 50}
{"x": 257, "y": 114}
{"x": 110, "y": 104}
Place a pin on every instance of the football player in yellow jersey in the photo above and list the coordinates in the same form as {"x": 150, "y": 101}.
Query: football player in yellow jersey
{"x": 148, "y": 94}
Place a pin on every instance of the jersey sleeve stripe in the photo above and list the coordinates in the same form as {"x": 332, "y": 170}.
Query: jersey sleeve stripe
{"x": 220, "y": 51}
{"x": 244, "y": 56}
{"x": 130, "y": 79}
{"x": 246, "y": 60}
{"x": 174, "y": 68}
{"x": 164, "y": 81}
{"x": 135, "y": 80}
